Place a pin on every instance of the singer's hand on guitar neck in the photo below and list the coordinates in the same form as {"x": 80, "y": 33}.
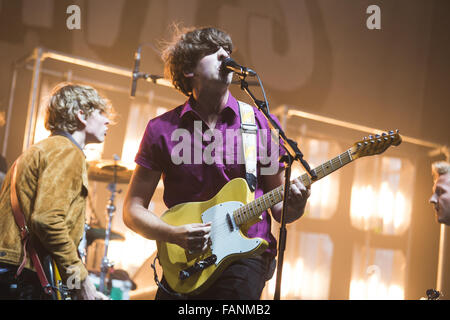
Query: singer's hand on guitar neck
{"x": 297, "y": 200}
{"x": 298, "y": 195}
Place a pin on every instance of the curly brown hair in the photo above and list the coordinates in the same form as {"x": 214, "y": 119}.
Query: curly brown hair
{"x": 440, "y": 168}
{"x": 65, "y": 102}
{"x": 188, "y": 46}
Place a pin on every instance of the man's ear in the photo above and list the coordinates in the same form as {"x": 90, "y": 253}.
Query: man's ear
{"x": 81, "y": 117}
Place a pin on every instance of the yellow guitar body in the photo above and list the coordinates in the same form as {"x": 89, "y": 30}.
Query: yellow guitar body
{"x": 58, "y": 281}
{"x": 60, "y": 292}
{"x": 188, "y": 273}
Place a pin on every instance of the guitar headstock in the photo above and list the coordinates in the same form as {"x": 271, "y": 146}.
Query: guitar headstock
{"x": 376, "y": 144}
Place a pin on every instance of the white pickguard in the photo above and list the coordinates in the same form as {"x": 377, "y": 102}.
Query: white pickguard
{"x": 225, "y": 241}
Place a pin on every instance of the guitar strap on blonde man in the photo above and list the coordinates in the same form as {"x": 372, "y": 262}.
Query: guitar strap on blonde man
{"x": 19, "y": 217}
{"x": 249, "y": 135}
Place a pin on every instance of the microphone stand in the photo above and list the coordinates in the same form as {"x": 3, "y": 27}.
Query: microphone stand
{"x": 293, "y": 153}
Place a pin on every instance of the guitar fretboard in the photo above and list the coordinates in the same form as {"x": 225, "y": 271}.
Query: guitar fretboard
{"x": 255, "y": 208}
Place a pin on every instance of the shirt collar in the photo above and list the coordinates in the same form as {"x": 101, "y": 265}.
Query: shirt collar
{"x": 232, "y": 105}
{"x": 67, "y": 135}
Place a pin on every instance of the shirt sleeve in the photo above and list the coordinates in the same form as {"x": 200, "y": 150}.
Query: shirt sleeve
{"x": 60, "y": 183}
{"x": 149, "y": 154}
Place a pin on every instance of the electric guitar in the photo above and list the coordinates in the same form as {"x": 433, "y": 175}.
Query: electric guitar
{"x": 232, "y": 210}
{"x": 60, "y": 291}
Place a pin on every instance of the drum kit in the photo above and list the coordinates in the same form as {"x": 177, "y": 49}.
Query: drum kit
{"x": 109, "y": 281}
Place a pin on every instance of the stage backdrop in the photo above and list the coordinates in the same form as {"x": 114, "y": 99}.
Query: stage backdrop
{"x": 381, "y": 64}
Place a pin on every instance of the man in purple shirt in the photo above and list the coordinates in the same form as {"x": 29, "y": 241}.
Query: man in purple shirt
{"x": 197, "y": 149}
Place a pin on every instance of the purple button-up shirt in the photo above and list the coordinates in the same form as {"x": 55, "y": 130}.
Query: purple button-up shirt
{"x": 197, "y": 162}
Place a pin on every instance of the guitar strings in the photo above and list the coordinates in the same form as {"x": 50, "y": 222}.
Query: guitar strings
{"x": 256, "y": 207}
{"x": 253, "y": 209}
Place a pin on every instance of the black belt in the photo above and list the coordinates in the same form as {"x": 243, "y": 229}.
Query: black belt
{"x": 8, "y": 271}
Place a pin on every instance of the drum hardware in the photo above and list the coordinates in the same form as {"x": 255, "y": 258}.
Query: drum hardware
{"x": 107, "y": 170}
{"x": 93, "y": 234}
{"x": 118, "y": 283}
{"x": 106, "y": 265}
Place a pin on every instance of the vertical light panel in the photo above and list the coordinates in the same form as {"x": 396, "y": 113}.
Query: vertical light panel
{"x": 306, "y": 270}
{"x": 381, "y": 195}
{"x": 40, "y": 132}
{"x": 322, "y": 203}
{"x": 377, "y": 274}
{"x": 138, "y": 117}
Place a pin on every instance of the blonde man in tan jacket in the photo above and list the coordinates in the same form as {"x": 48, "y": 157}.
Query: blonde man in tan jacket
{"x": 52, "y": 188}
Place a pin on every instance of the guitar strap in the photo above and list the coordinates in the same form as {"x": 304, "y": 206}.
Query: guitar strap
{"x": 19, "y": 217}
{"x": 248, "y": 131}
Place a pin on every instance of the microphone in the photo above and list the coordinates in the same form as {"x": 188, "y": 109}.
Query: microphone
{"x": 137, "y": 60}
{"x": 233, "y": 66}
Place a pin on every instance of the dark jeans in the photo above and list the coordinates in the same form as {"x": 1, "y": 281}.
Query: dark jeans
{"x": 242, "y": 280}
{"x": 25, "y": 287}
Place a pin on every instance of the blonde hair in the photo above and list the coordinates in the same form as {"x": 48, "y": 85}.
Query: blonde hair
{"x": 65, "y": 102}
{"x": 188, "y": 46}
{"x": 440, "y": 168}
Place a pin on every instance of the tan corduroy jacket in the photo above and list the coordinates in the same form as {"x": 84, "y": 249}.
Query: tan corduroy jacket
{"x": 52, "y": 188}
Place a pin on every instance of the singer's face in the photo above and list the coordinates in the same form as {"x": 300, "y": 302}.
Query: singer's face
{"x": 441, "y": 198}
{"x": 209, "y": 69}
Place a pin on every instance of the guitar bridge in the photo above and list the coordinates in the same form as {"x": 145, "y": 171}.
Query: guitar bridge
{"x": 197, "y": 267}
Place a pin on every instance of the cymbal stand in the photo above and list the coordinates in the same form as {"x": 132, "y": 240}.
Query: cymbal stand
{"x": 110, "y": 208}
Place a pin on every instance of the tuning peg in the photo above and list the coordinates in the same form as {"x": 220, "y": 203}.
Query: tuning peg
{"x": 377, "y": 136}
{"x": 386, "y": 138}
{"x": 397, "y": 131}
{"x": 366, "y": 143}
{"x": 370, "y": 136}
{"x": 384, "y": 134}
{"x": 391, "y": 132}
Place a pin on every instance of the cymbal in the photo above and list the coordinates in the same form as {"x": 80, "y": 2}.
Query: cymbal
{"x": 100, "y": 233}
{"x": 103, "y": 171}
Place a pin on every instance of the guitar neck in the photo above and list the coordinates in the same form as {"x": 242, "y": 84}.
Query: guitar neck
{"x": 254, "y": 209}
